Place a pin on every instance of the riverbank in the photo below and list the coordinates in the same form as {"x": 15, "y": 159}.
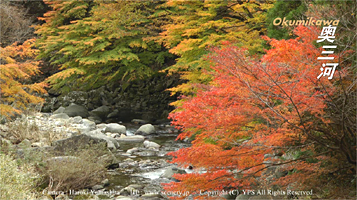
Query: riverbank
{"x": 133, "y": 155}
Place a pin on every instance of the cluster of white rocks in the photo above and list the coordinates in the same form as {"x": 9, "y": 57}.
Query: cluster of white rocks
{"x": 61, "y": 126}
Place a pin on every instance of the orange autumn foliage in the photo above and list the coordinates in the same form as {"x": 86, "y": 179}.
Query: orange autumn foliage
{"x": 17, "y": 67}
{"x": 253, "y": 108}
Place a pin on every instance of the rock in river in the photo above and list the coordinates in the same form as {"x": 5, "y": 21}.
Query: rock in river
{"x": 170, "y": 171}
{"x": 133, "y": 138}
{"x": 146, "y": 129}
{"x": 149, "y": 144}
{"x": 115, "y": 128}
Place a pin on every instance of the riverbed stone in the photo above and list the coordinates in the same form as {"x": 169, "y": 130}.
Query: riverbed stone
{"x": 101, "y": 126}
{"x": 115, "y": 128}
{"x": 146, "y": 153}
{"x": 76, "y": 142}
{"x": 59, "y": 110}
{"x": 89, "y": 124}
{"x": 132, "y": 150}
{"x": 101, "y": 112}
{"x": 76, "y": 120}
{"x": 146, "y": 129}
{"x": 132, "y": 138}
{"x": 126, "y": 154}
{"x": 170, "y": 171}
{"x": 109, "y": 160}
{"x": 136, "y": 186}
{"x": 60, "y": 116}
{"x": 97, "y": 187}
{"x": 86, "y": 126}
{"x": 112, "y": 143}
{"x": 149, "y": 144}
{"x": 130, "y": 191}
{"x": 60, "y": 123}
{"x": 105, "y": 182}
{"x": 113, "y": 114}
{"x": 76, "y": 110}
{"x": 94, "y": 118}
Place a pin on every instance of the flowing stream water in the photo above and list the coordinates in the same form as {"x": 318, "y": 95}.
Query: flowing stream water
{"x": 147, "y": 174}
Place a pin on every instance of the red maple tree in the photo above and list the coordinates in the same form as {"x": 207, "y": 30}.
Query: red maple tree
{"x": 261, "y": 114}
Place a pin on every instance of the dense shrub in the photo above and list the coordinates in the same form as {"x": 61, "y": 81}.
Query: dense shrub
{"x": 80, "y": 170}
{"x": 17, "y": 182}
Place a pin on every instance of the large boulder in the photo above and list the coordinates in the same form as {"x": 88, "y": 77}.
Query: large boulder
{"x": 108, "y": 159}
{"x": 113, "y": 144}
{"x": 59, "y": 110}
{"x": 146, "y": 129}
{"x": 101, "y": 112}
{"x": 95, "y": 118}
{"x": 86, "y": 126}
{"x": 113, "y": 114}
{"x": 76, "y": 110}
{"x": 83, "y": 141}
{"x": 76, "y": 120}
{"x": 77, "y": 142}
{"x": 115, "y": 128}
{"x": 89, "y": 123}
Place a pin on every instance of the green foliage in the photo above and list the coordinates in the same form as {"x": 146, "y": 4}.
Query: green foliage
{"x": 291, "y": 10}
{"x": 17, "y": 182}
{"x": 210, "y": 141}
{"x": 195, "y": 26}
{"x": 96, "y": 42}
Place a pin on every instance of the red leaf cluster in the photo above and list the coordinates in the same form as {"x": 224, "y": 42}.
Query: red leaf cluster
{"x": 252, "y": 108}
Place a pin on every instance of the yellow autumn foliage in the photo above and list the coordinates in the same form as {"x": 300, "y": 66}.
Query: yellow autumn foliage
{"x": 16, "y": 68}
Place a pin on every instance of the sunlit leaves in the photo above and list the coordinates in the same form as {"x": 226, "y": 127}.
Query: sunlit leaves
{"x": 16, "y": 69}
{"x": 251, "y": 108}
{"x": 198, "y": 25}
{"x": 103, "y": 40}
